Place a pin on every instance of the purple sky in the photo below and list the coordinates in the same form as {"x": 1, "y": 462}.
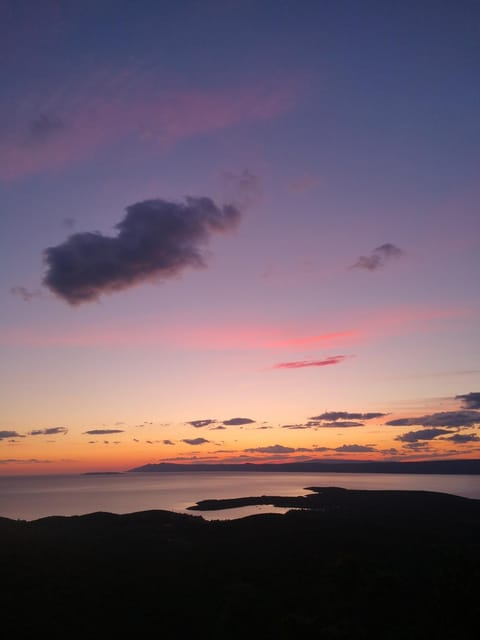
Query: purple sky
{"x": 223, "y": 210}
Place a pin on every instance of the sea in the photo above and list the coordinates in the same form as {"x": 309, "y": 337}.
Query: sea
{"x": 34, "y": 497}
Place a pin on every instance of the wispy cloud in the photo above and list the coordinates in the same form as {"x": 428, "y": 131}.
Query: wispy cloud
{"x": 97, "y": 112}
{"x": 102, "y": 432}
{"x": 43, "y": 127}
{"x": 51, "y": 431}
{"x": 274, "y": 448}
{"x": 25, "y": 294}
{"x": 198, "y": 424}
{"x": 355, "y": 448}
{"x": 300, "y": 364}
{"x": 242, "y": 189}
{"x": 378, "y": 258}
{"x": 347, "y": 415}
{"x": 241, "y": 336}
{"x": 24, "y": 461}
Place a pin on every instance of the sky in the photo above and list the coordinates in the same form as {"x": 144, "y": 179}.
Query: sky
{"x": 238, "y": 231}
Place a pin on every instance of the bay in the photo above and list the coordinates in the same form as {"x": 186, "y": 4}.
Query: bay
{"x": 33, "y": 497}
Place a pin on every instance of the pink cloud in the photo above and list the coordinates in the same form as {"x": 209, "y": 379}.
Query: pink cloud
{"x": 396, "y": 321}
{"x": 211, "y": 337}
{"x": 310, "y": 363}
{"x": 105, "y": 110}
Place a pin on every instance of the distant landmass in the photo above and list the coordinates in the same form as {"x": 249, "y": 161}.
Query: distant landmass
{"x": 448, "y": 467}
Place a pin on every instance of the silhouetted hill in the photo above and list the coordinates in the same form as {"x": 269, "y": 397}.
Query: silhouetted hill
{"x": 352, "y": 565}
{"x": 467, "y": 467}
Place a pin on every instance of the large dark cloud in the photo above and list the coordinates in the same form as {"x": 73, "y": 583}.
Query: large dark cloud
{"x": 378, "y": 257}
{"x": 201, "y": 423}
{"x": 156, "y": 239}
{"x": 421, "y": 434}
{"x": 235, "y": 422}
{"x": 300, "y": 364}
{"x": 470, "y": 400}
{"x": 441, "y": 419}
{"x": 346, "y": 415}
{"x": 103, "y": 432}
{"x": 51, "y": 431}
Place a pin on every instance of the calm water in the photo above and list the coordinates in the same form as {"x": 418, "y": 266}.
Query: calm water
{"x": 31, "y": 497}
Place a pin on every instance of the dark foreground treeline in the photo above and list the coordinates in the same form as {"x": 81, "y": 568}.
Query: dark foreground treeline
{"x": 358, "y": 565}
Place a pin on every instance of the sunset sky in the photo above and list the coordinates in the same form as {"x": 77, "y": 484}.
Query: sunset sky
{"x": 238, "y": 231}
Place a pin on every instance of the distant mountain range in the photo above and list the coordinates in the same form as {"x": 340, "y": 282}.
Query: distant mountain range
{"x": 467, "y": 467}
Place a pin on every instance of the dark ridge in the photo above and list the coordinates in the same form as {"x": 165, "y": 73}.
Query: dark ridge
{"x": 461, "y": 467}
{"x": 369, "y": 565}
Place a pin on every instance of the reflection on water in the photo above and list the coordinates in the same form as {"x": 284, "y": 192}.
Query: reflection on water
{"x": 31, "y": 497}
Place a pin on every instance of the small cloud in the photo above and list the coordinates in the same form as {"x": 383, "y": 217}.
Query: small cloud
{"x": 310, "y": 363}
{"x": 274, "y": 448}
{"x": 354, "y": 448}
{"x": 470, "y": 400}
{"x": 25, "y": 294}
{"x": 417, "y": 445}
{"x": 219, "y": 428}
{"x": 346, "y": 415}
{"x": 243, "y": 189}
{"x": 296, "y": 426}
{"x": 69, "y": 223}
{"x": 378, "y": 257}
{"x": 156, "y": 239}
{"x": 167, "y": 442}
{"x": 304, "y": 183}
{"x": 195, "y": 441}
{"x": 342, "y": 424}
{"x": 233, "y": 422}
{"x": 44, "y": 127}
{"x": 421, "y": 434}
{"x": 5, "y": 435}
{"x": 23, "y": 461}
{"x": 51, "y": 431}
{"x": 201, "y": 423}
{"x": 102, "y": 432}
{"x": 461, "y": 438}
